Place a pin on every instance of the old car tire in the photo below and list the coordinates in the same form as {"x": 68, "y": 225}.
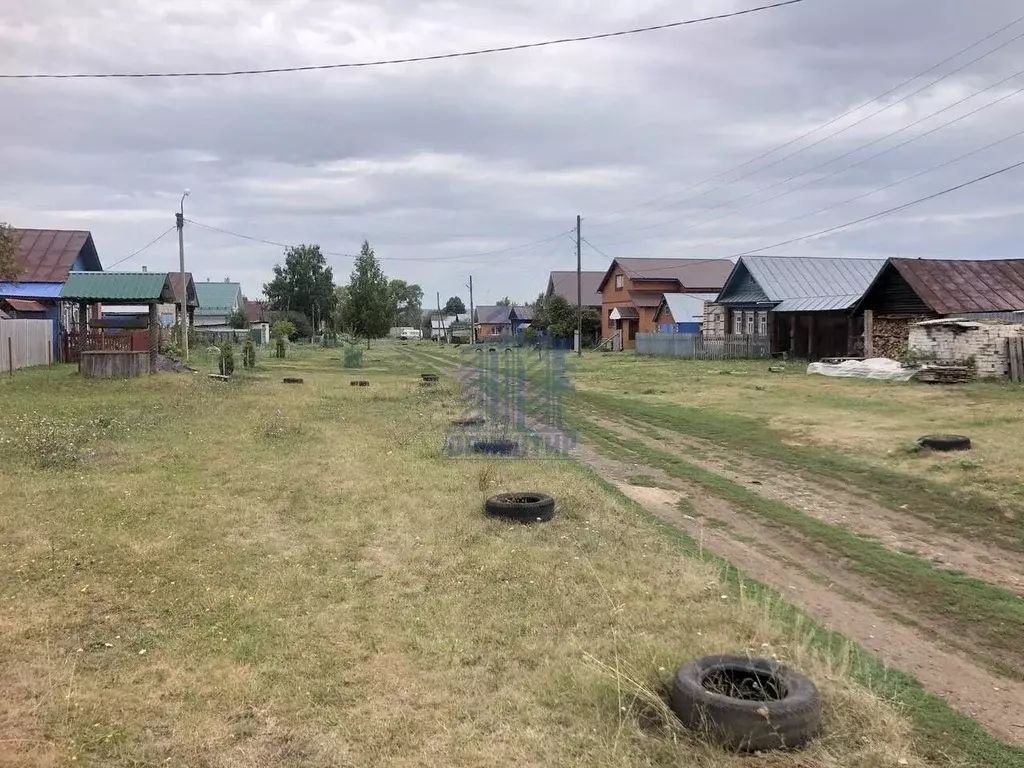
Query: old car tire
{"x": 291, "y": 380}
{"x": 788, "y": 719}
{"x": 429, "y": 376}
{"x": 360, "y": 383}
{"x": 528, "y": 507}
{"x": 495, "y": 447}
{"x": 945, "y": 442}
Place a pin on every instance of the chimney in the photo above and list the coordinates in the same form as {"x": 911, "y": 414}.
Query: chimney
{"x": 144, "y": 268}
{"x": 227, "y": 279}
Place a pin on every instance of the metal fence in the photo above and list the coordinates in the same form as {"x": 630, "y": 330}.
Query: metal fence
{"x": 698, "y": 347}
{"x": 24, "y": 343}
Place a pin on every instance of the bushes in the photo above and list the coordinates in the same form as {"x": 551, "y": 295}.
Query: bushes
{"x": 227, "y": 358}
{"x": 249, "y": 354}
{"x": 353, "y": 356}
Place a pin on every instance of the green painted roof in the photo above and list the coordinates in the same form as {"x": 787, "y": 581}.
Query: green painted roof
{"x": 217, "y": 298}
{"x": 141, "y": 287}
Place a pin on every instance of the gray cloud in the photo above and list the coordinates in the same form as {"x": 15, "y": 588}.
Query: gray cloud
{"x": 435, "y": 161}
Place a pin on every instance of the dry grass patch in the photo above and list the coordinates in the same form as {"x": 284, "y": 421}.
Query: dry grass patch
{"x": 335, "y": 596}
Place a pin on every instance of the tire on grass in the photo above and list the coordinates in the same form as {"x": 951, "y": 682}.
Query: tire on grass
{"x": 495, "y": 447}
{"x": 528, "y": 507}
{"x": 747, "y": 704}
{"x": 945, "y": 442}
{"x": 292, "y": 380}
{"x": 430, "y": 377}
{"x": 360, "y": 383}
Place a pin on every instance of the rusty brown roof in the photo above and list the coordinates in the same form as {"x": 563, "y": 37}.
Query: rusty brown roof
{"x": 691, "y": 274}
{"x": 24, "y": 305}
{"x": 960, "y": 287}
{"x": 47, "y": 255}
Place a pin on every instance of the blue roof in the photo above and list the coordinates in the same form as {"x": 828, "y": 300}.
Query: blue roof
{"x": 31, "y": 290}
{"x": 803, "y": 284}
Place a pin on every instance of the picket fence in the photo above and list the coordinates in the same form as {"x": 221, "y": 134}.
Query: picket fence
{"x": 24, "y": 343}
{"x": 695, "y": 346}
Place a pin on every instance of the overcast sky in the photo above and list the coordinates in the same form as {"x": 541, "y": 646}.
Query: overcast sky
{"x": 435, "y": 161}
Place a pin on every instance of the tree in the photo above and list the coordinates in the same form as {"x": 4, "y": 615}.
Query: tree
{"x": 505, "y": 302}
{"x": 454, "y": 306}
{"x": 370, "y": 307}
{"x": 558, "y": 317}
{"x": 237, "y": 319}
{"x": 341, "y": 299}
{"x": 10, "y": 269}
{"x": 298, "y": 325}
{"x": 305, "y": 284}
{"x": 408, "y": 302}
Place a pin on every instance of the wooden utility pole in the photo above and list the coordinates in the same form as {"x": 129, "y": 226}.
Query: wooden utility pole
{"x": 472, "y": 313}
{"x": 440, "y": 319}
{"x": 579, "y": 286}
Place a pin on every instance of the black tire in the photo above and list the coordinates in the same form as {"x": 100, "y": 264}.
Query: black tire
{"x": 527, "y": 507}
{"x": 429, "y": 376}
{"x": 495, "y": 447}
{"x": 945, "y": 442}
{"x": 360, "y": 383}
{"x": 788, "y": 719}
{"x": 292, "y": 380}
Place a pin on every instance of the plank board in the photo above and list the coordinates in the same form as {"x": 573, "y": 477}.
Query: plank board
{"x": 1015, "y": 353}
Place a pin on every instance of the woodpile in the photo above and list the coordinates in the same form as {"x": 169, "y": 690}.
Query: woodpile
{"x": 945, "y": 374}
{"x": 890, "y": 336}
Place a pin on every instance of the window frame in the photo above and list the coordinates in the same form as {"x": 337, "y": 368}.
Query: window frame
{"x": 620, "y": 282}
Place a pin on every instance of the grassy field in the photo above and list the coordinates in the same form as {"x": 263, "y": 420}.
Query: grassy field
{"x": 197, "y": 573}
{"x": 857, "y": 431}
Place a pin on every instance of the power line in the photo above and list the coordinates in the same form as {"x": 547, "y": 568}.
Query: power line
{"x": 410, "y": 60}
{"x": 888, "y": 211}
{"x": 860, "y": 196}
{"x": 856, "y": 222}
{"x": 831, "y": 122}
{"x": 836, "y": 172}
{"x": 382, "y": 258}
{"x": 153, "y": 242}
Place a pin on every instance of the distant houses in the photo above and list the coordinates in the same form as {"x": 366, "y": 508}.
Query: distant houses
{"x": 632, "y": 292}
{"x": 501, "y": 322}
{"x": 217, "y": 302}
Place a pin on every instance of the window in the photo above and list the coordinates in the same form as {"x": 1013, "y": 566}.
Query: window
{"x": 750, "y": 323}
{"x": 737, "y": 323}
{"x": 719, "y": 324}
{"x": 762, "y": 327}
{"x": 619, "y": 282}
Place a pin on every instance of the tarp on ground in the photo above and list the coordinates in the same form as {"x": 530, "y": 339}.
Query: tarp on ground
{"x": 876, "y": 368}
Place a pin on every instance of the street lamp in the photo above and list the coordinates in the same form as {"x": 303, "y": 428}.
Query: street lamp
{"x": 183, "y": 305}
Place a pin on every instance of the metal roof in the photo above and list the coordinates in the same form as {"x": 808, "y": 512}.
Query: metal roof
{"x": 952, "y": 287}
{"x": 47, "y": 255}
{"x": 25, "y": 305}
{"x": 31, "y": 290}
{"x": 217, "y": 298}
{"x": 805, "y": 284}
{"x": 685, "y": 307}
{"x": 118, "y": 287}
{"x": 564, "y": 284}
{"x": 692, "y": 274}
{"x": 492, "y": 315}
{"x": 523, "y": 313}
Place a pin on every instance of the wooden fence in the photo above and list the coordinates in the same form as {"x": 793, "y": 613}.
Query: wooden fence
{"x": 107, "y": 341}
{"x": 1015, "y": 353}
{"x": 24, "y": 343}
{"x": 700, "y": 347}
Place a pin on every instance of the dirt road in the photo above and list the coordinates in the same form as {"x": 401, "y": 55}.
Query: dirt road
{"x": 817, "y": 583}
